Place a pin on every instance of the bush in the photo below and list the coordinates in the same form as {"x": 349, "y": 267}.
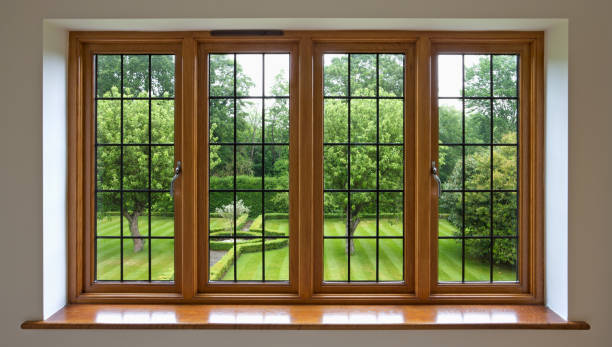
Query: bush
{"x": 364, "y": 215}
{"x": 219, "y": 270}
{"x": 252, "y": 201}
{"x": 239, "y": 224}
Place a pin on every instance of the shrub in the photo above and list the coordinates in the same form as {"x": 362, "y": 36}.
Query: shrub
{"x": 219, "y": 270}
{"x": 252, "y": 201}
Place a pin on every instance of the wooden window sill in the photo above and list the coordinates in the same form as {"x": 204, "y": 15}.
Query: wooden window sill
{"x": 307, "y": 317}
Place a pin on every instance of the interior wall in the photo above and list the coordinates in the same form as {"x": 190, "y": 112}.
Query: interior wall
{"x": 21, "y": 150}
{"x": 55, "y": 63}
{"x": 556, "y": 156}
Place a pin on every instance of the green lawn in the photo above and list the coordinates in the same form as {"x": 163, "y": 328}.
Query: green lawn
{"x": 249, "y": 265}
{"x": 135, "y": 265}
{"x": 449, "y": 269}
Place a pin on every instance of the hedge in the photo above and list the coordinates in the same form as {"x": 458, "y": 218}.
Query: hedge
{"x": 218, "y": 270}
{"x": 251, "y": 200}
{"x": 365, "y": 215}
{"x": 239, "y": 224}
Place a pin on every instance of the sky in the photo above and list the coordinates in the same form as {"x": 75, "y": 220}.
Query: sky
{"x": 449, "y": 71}
{"x": 254, "y": 66}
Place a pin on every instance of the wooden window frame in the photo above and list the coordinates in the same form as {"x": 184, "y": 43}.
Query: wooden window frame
{"x": 190, "y": 285}
{"x": 323, "y": 46}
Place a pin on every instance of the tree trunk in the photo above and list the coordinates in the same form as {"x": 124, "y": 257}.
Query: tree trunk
{"x": 133, "y": 224}
{"x": 350, "y": 231}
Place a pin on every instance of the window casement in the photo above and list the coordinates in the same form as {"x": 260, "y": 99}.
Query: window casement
{"x": 302, "y": 167}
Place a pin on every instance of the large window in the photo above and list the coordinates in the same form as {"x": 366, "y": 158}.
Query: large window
{"x": 304, "y": 167}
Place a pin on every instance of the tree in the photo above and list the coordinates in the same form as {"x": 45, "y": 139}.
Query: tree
{"x": 363, "y": 129}
{"x": 227, "y": 212}
{"x": 477, "y": 216}
{"x": 135, "y": 164}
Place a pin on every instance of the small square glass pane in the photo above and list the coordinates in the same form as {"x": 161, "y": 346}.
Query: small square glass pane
{"x": 449, "y": 260}
{"x": 162, "y": 75}
{"x": 162, "y": 260}
{"x": 449, "y": 75}
{"x": 478, "y": 260}
{"x": 136, "y": 76}
{"x": 477, "y": 79}
{"x": 108, "y": 260}
{"x": 276, "y": 74}
{"x": 335, "y": 74}
{"x": 249, "y": 74}
{"x": 108, "y": 76}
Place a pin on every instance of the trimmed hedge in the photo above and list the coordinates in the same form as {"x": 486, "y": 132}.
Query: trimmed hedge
{"x": 219, "y": 270}
{"x": 239, "y": 224}
{"x": 251, "y": 200}
{"x": 365, "y": 215}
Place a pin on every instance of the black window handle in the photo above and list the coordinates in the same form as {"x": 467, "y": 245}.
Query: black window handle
{"x": 177, "y": 172}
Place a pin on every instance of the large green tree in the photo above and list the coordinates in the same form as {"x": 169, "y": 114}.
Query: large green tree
{"x": 478, "y": 216}
{"x": 135, "y": 164}
{"x": 363, "y": 129}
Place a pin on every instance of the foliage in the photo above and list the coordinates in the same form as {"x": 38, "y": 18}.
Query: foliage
{"x": 218, "y": 270}
{"x": 477, "y": 217}
{"x": 231, "y": 212}
{"x": 363, "y": 129}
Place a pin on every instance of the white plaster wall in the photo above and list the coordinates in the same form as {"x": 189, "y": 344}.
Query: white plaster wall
{"x": 21, "y": 152}
{"x": 55, "y": 61}
{"x": 556, "y": 156}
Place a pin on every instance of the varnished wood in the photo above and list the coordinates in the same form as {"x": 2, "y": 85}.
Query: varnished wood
{"x": 311, "y": 317}
{"x": 382, "y": 46}
{"x": 225, "y": 45}
{"x": 424, "y": 186}
{"x": 530, "y": 185}
{"x": 420, "y": 216}
{"x": 82, "y": 169}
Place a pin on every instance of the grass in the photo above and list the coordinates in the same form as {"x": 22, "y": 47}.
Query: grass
{"x": 449, "y": 269}
{"x": 249, "y": 265}
{"x": 135, "y": 265}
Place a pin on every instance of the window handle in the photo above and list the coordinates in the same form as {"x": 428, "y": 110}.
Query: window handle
{"x": 177, "y": 172}
{"x": 434, "y": 172}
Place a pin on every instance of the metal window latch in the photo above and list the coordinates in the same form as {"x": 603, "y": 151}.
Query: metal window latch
{"x": 434, "y": 172}
{"x": 177, "y": 172}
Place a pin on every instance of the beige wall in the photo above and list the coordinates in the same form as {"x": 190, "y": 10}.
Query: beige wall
{"x": 590, "y": 165}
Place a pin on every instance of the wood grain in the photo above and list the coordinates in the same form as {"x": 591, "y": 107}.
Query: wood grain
{"x": 305, "y": 287}
{"x": 305, "y": 317}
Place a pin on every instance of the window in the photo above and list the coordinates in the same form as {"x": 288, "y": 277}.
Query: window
{"x": 478, "y": 155}
{"x": 302, "y": 166}
{"x": 134, "y": 108}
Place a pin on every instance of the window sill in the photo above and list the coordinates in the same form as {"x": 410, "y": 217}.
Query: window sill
{"x": 306, "y": 317}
